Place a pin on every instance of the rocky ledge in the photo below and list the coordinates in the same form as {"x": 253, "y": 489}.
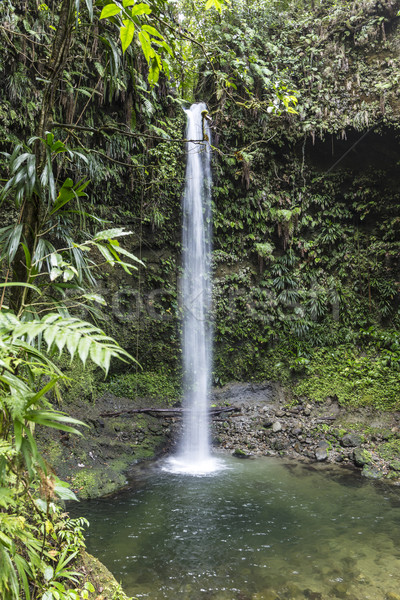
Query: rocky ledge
{"x": 267, "y": 424}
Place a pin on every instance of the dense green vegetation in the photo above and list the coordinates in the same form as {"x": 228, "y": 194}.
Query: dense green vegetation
{"x": 305, "y": 109}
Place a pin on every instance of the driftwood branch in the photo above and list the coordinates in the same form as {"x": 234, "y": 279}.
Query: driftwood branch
{"x": 168, "y": 412}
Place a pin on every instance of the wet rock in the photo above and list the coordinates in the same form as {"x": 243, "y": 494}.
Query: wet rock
{"x": 312, "y": 595}
{"x": 321, "y": 454}
{"x": 340, "y": 589}
{"x": 239, "y": 453}
{"x": 297, "y": 447}
{"x": 361, "y": 578}
{"x": 361, "y": 457}
{"x": 267, "y": 594}
{"x": 267, "y": 424}
{"x": 279, "y": 445}
{"x": 276, "y": 427}
{"x": 351, "y": 440}
{"x": 324, "y": 444}
{"x": 371, "y": 472}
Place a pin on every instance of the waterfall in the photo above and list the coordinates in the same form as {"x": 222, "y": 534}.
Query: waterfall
{"x": 195, "y": 455}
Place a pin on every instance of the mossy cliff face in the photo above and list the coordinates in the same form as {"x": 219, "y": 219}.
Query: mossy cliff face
{"x": 306, "y": 224}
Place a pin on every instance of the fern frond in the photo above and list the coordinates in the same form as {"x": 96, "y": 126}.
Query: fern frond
{"x": 77, "y": 336}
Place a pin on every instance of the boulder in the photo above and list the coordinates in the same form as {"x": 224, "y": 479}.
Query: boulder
{"x": 361, "y": 457}
{"x": 371, "y": 472}
{"x": 351, "y": 440}
{"x": 239, "y": 453}
{"x": 321, "y": 454}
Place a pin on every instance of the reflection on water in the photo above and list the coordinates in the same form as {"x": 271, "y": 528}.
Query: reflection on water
{"x": 260, "y": 529}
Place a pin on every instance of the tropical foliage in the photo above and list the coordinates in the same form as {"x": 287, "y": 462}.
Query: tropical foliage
{"x": 306, "y": 230}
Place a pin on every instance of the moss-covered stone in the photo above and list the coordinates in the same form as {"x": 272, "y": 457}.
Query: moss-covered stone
{"x": 104, "y": 582}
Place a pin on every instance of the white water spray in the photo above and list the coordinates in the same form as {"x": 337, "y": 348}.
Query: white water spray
{"x": 195, "y": 455}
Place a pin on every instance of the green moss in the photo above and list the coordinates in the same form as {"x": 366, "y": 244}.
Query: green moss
{"x": 157, "y": 385}
{"x": 82, "y": 380}
{"x": 355, "y": 379}
{"x": 389, "y": 450}
{"x": 96, "y": 482}
{"x": 101, "y": 578}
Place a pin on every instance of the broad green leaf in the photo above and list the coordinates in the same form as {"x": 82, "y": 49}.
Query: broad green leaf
{"x": 126, "y": 34}
{"x": 48, "y": 573}
{"x": 69, "y": 274}
{"x": 141, "y": 9}
{"x": 49, "y": 334}
{"x": 83, "y": 348}
{"x": 54, "y": 273}
{"x": 110, "y": 10}
{"x": 120, "y": 250}
{"x": 144, "y": 40}
{"x": 154, "y": 71}
{"x": 64, "y": 492}
{"x": 108, "y": 234}
{"x": 18, "y": 434}
{"x": 61, "y": 340}
{"x": 96, "y": 298}
{"x": 72, "y": 342}
{"x": 106, "y": 253}
{"x": 152, "y": 31}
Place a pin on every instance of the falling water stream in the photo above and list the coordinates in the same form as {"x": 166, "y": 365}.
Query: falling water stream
{"x": 194, "y": 455}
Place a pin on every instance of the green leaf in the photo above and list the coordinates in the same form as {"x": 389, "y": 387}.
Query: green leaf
{"x": 89, "y": 4}
{"x": 72, "y": 342}
{"x": 145, "y": 43}
{"x": 18, "y": 434}
{"x": 42, "y": 392}
{"x": 152, "y": 31}
{"x": 96, "y": 298}
{"x": 20, "y": 284}
{"x": 63, "y": 491}
{"x": 49, "y": 335}
{"x": 23, "y": 569}
{"x": 48, "y": 573}
{"x": 107, "y": 234}
{"x": 83, "y": 348}
{"x": 154, "y": 71}
{"x": 126, "y": 34}
{"x": 141, "y": 9}
{"x": 120, "y": 250}
{"x": 110, "y": 10}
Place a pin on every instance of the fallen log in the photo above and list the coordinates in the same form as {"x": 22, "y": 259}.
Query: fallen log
{"x": 168, "y": 412}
